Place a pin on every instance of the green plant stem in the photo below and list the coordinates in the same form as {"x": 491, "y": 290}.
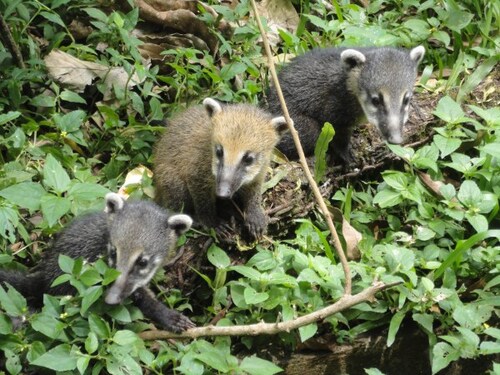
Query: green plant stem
{"x": 303, "y": 161}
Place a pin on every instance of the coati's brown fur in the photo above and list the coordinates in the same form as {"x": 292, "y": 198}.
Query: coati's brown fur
{"x": 213, "y": 153}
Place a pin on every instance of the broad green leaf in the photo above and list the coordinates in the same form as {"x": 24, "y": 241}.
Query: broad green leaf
{"x": 257, "y": 366}
{"x": 373, "y": 371}
{"x": 59, "y": 358}
{"x": 66, "y": 263}
{"x": 13, "y": 362}
{"x": 264, "y": 260}
{"x": 99, "y": 326}
{"x": 252, "y": 297}
{"x": 218, "y": 257}
{"x": 90, "y": 277}
{"x": 125, "y": 337}
{"x": 469, "y": 194}
{"x": 49, "y": 326}
{"x": 71, "y": 121}
{"x": 91, "y": 295}
{"x": 54, "y": 207}
{"x": 5, "y": 324}
{"x": 478, "y": 74}
{"x": 9, "y": 116}
{"x": 425, "y": 320}
{"x": 91, "y": 343}
{"x": 216, "y": 359}
{"x": 72, "y": 97}
{"x": 449, "y": 110}
{"x": 472, "y": 315}
{"x": 53, "y": 17}
{"x": 492, "y": 149}
{"x": 478, "y": 222}
{"x": 26, "y": 195}
{"x": 308, "y": 331}
{"x": 446, "y": 145}
{"x": 12, "y": 301}
{"x": 443, "y": 355}
{"x": 387, "y": 198}
{"x": 54, "y": 175}
{"x": 248, "y": 272}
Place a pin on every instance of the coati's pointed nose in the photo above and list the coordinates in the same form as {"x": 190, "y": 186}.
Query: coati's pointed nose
{"x": 395, "y": 139}
{"x": 113, "y": 296}
{"x": 224, "y": 190}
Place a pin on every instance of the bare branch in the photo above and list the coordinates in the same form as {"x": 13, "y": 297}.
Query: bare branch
{"x": 262, "y": 328}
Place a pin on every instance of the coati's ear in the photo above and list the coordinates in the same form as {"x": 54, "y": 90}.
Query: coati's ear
{"x": 417, "y": 54}
{"x": 114, "y": 203}
{"x": 180, "y": 223}
{"x": 212, "y": 106}
{"x": 280, "y": 125}
{"x": 352, "y": 58}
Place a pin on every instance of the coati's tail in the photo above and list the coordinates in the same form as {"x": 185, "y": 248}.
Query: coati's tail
{"x": 30, "y": 285}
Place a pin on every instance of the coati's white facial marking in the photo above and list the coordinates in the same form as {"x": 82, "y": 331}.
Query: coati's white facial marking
{"x": 233, "y": 170}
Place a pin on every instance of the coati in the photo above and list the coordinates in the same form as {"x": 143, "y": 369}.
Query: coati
{"x": 345, "y": 86}
{"x": 213, "y": 153}
{"x": 137, "y": 237}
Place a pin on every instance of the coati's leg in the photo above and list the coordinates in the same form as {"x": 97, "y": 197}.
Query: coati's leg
{"x": 340, "y": 148}
{"x": 203, "y": 204}
{"x": 153, "y": 309}
{"x": 254, "y": 220}
{"x": 309, "y": 130}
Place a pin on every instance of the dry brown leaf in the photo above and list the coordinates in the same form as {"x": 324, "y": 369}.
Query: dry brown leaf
{"x": 279, "y": 14}
{"x": 351, "y": 235}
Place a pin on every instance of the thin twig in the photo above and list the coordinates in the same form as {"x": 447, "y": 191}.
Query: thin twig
{"x": 8, "y": 40}
{"x": 303, "y": 161}
{"x": 262, "y": 328}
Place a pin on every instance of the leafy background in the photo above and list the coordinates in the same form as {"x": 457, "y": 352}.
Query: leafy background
{"x": 62, "y": 151}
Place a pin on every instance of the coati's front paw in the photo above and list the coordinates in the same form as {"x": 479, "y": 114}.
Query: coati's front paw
{"x": 255, "y": 225}
{"x": 178, "y": 323}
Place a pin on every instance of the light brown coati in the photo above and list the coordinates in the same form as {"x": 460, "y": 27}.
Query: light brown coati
{"x": 213, "y": 153}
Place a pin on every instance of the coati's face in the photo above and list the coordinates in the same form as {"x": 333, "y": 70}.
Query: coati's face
{"x": 383, "y": 80}
{"x": 243, "y": 138}
{"x": 142, "y": 237}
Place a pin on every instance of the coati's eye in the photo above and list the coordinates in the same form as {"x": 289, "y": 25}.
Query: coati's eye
{"x": 112, "y": 251}
{"x": 377, "y": 100}
{"x": 219, "y": 151}
{"x": 142, "y": 262}
{"x": 248, "y": 159}
{"x": 406, "y": 100}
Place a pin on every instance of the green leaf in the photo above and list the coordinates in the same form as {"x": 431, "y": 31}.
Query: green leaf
{"x": 99, "y": 326}
{"x": 308, "y": 331}
{"x": 9, "y": 116}
{"x": 387, "y": 198}
{"x": 218, "y": 257}
{"x": 90, "y": 277}
{"x": 446, "y": 145}
{"x": 449, "y": 110}
{"x": 264, "y": 261}
{"x": 59, "y": 358}
{"x": 492, "y": 149}
{"x": 373, "y": 371}
{"x": 53, "y": 208}
{"x": 53, "y": 17}
{"x": 54, "y": 175}
{"x": 425, "y": 320}
{"x": 70, "y": 122}
{"x": 252, "y": 297}
{"x": 472, "y": 315}
{"x": 231, "y": 70}
{"x": 478, "y": 222}
{"x": 443, "y": 355}
{"x": 257, "y": 366}
{"x": 12, "y": 301}
{"x": 125, "y": 337}
{"x": 479, "y": 73}
{"x": 394, "y": 325}
{"x": 321, "y": 149}
{"x": 5, "y": 324}
{"x": 91, "y": 343}
{"x": 248, "y": 272}
{"x": 461, "y": 247}
{"x": 66, "y": 263}
{"x": 13, "y": 362}
{"x": 469, "y": 194}
{"x": 26, "y": 195}
{"x": 48, "y": 325}
{"x": 91, "y": 295}
{"x": 72, "y": 97}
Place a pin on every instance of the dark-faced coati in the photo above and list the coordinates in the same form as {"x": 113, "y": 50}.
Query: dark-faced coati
{"x": 345, "y": 86}
{"x": 137, "y": 237}
{"x": 214, "y": 153}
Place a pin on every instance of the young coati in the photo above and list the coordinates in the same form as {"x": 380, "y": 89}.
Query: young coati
{"x": 345, "y": 86}
{"x": 214, "y": 153}
{"x": 137, "y": 237}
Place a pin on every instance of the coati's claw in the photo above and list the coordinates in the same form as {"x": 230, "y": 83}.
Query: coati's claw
{"x": 180, "y": 323}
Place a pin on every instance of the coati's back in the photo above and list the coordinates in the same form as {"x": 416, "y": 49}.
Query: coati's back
{"x": 343, "y": 86}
